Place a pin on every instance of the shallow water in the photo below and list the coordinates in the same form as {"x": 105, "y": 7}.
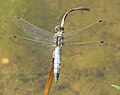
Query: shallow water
{"x": 24, "y": 70}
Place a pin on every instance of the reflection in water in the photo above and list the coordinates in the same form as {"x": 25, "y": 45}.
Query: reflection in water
{"x": 5, "y": 61}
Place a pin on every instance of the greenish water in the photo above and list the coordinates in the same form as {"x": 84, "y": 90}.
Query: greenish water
{"x": 24, "y": 70}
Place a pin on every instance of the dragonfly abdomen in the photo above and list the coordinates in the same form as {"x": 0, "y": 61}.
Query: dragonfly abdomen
{"x": 57, "y": 62}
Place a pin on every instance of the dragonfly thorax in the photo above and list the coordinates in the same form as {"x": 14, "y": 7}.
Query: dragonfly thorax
{"x": 58, "y": 36}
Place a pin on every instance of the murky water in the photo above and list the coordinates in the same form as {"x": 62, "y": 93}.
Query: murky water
{"x": 24, "y": 70}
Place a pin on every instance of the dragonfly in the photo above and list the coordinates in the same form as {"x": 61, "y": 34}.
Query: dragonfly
{"x": 59, "y": 40}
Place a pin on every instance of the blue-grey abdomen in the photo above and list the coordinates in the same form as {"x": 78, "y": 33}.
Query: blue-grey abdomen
{"x": 57, "y": 62}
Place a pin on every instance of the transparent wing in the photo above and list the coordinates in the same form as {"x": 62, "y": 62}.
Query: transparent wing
{"x": 72, "y": 44}
{"x": 29, "y": 42}
{"x": 31, "y": 30}
{"x": 79, "y": 47}
{"x": 90, "y": 30}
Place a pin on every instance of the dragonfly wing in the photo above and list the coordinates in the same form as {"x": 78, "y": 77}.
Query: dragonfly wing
{"x": 31, "y": 30}
{"x": 28, "y": 42}
{"x": 79, "y": 47}
{"x": 88, "y": 31}
{"x": 83, "y": 43}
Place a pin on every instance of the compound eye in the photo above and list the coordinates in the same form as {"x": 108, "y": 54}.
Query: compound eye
{"x": 58, "y": 29}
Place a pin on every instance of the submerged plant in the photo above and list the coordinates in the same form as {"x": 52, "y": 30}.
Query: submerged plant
{"x": 116, "y": 86}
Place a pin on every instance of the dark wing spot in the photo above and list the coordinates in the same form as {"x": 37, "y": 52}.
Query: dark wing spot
{"x": 100, "y": 20}
{"x": 101, "y": 41}
{"x": 15, "y": 36}
{"x": 18, "y": 17}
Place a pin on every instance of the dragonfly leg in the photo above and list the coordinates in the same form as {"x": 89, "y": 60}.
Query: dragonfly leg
{"x": 52, "y": 60}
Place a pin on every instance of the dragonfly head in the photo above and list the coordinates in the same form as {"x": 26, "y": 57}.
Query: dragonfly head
{"x": 59, "y": 29}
